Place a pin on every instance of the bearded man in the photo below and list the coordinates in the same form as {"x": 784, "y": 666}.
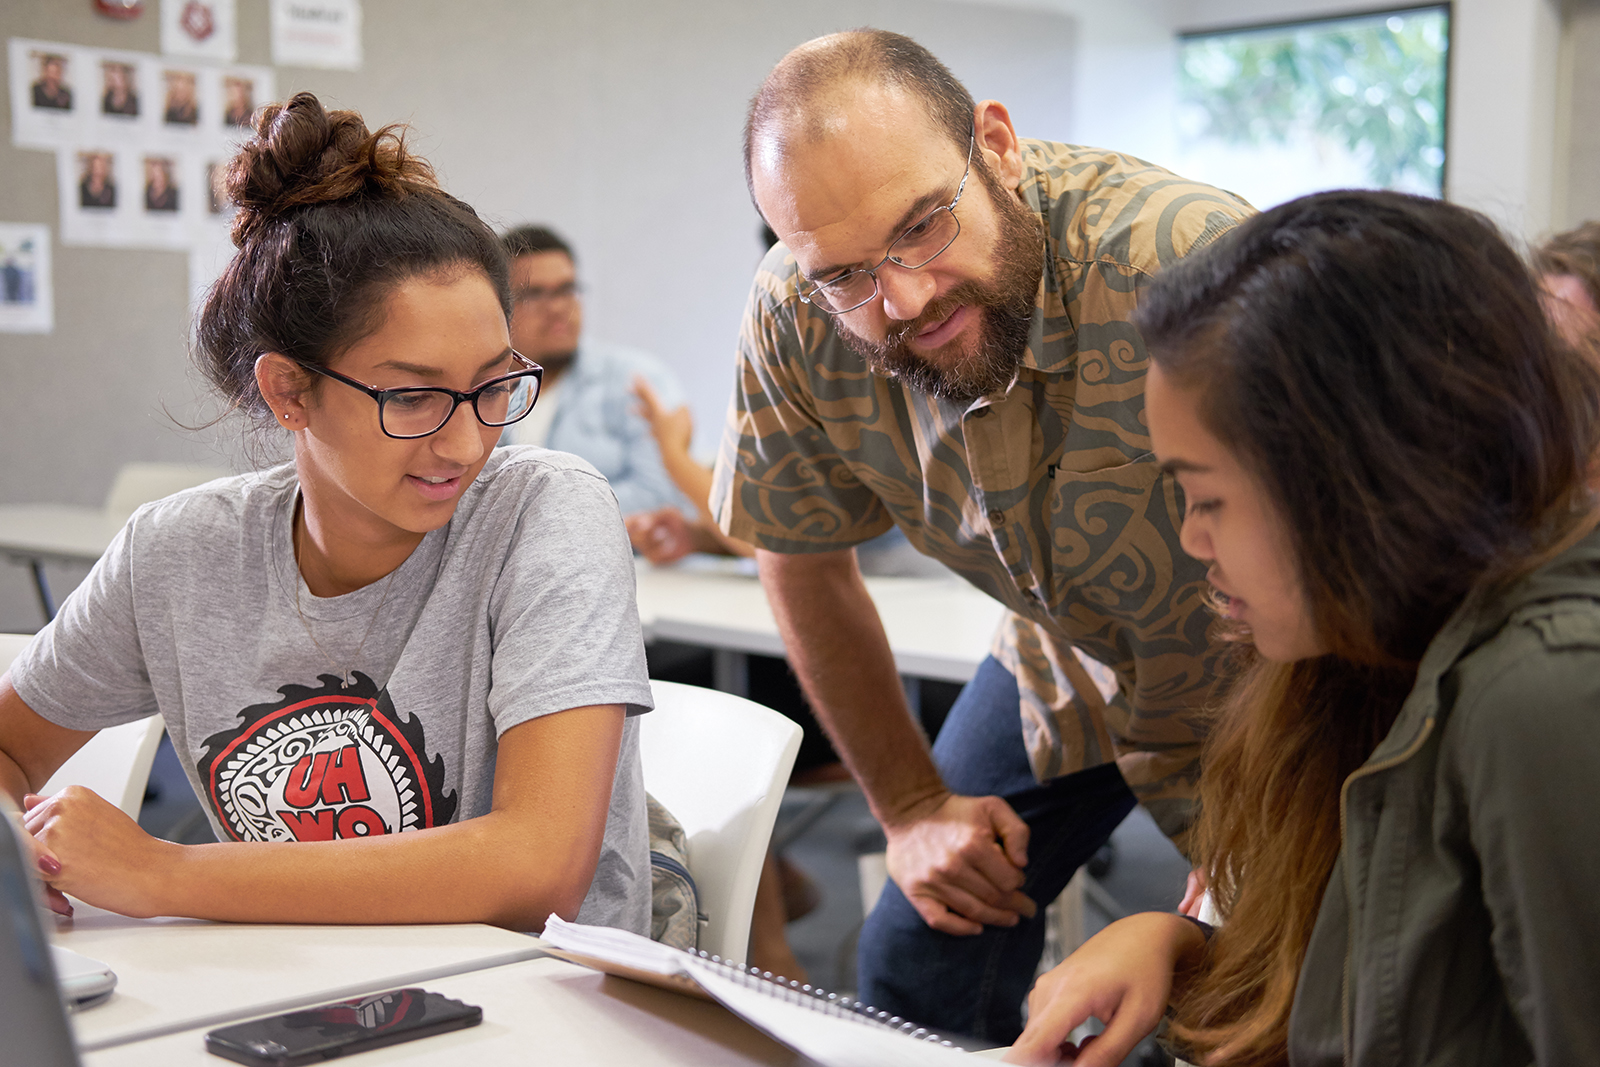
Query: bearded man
{"x": 941, "y": 343}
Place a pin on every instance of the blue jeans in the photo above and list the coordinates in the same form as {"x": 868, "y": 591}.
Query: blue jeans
{"x": 975, "y": 985}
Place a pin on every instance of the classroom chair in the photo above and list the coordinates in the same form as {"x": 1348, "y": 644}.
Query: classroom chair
{"x": 719, "y": 763}
{"x": 116, "y": 761}
{"x": 68, "y": 531}
{"x": 140, "y": 483}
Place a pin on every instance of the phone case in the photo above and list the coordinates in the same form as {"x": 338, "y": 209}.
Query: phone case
{"x": 328, "y": 1031}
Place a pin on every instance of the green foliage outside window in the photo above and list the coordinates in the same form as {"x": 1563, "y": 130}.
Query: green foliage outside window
{"x": 1373, "y": 84}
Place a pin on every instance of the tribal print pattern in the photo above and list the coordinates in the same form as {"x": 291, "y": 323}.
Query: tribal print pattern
{"x": 1044, "y": 495}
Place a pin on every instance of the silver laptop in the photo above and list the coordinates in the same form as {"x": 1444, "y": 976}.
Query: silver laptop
{"x": 33, "y": 1016}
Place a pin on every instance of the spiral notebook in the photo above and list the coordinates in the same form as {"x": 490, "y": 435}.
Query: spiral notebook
{"x": 832, "y": 1030}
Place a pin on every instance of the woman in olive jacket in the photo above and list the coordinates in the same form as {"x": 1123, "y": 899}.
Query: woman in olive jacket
{"x": 1385, "y": 454}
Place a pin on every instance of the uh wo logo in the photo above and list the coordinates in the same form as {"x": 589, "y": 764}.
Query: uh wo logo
{"x": 323, "y": 764}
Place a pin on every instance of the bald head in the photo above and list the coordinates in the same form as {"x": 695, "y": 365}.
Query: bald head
{"x": 808, "y": 93}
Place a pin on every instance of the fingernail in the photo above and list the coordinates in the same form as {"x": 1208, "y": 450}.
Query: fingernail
{"x": 50, "y": 865}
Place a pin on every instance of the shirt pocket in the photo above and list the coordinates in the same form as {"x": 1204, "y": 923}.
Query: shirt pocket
{"x": 1113, "y": 540}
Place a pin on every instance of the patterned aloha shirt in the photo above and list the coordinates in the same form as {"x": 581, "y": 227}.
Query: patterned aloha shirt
{"x": 1044, "y": 495}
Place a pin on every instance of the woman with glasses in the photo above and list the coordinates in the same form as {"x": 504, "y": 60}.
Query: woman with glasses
{"x": 1384, "y": 450}
{"x": 404, "y": 629}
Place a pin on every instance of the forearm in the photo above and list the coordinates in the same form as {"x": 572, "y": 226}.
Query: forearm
{"x": 31, "y": 748}
{"x": 12, "y": 781}
{"x": 692, "y": 479}
{"x": 839, "y": 651}
{"x": 535, "y": 852}
{"x": 705, "y": 537}
{"x": 480, "y": 870}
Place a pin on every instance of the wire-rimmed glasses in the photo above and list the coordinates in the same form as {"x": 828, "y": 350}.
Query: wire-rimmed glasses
{"x": 418, "y": 411}
{"x": 919, "y": 245}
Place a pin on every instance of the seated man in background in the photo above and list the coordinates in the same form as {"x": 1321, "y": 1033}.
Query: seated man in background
{"x": 585, "y": 406}
{"x": 1569, "y": 269}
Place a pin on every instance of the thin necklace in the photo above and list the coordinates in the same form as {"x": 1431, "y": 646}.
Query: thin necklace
{"x": 344, "y": 675}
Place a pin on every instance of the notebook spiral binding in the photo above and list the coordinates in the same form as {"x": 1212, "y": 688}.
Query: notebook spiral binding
{"x": 818, "y": 999}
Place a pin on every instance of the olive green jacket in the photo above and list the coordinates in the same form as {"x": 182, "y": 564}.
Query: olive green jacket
{"x": 1462, "y": 921}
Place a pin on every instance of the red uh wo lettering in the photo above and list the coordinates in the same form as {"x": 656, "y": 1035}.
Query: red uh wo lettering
{"x": 330, "y": 778}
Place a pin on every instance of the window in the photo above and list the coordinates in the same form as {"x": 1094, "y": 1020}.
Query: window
{"x": 1274, "y": 112}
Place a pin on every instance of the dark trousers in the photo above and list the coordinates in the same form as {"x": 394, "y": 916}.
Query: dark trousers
{"x": 975, "y": 986}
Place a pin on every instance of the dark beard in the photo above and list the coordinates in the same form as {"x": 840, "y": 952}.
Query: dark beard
{"x": 1005, "y": 304}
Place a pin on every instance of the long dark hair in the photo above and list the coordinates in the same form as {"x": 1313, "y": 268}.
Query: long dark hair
{"x": 1381, "y": 364}
{"x": 331, "y": 218}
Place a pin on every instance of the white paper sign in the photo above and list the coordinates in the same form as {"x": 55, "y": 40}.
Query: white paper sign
{"x": 205, "y": 29}
{"x": 317, "y": 33}
{"x": 27, "y": 302}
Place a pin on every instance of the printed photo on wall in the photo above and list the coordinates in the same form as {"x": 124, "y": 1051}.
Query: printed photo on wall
{"x": 26, "y": 301}
{"x": 51, "y": 85}
{"x": 52, "y": 89}
{"x": 121, "y": 96}
{"x": 217, "y": 202}
{"x": 183, "y": 102}
{"x": 160, "y": 185}
{"x": 239, "y": 100}
{"x": 97, "y": 188}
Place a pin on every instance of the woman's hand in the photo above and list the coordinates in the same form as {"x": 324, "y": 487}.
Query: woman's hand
{"x": 673, "y": 430}
{"x": 88, "y": 847}
{"x": 1121, "y": 976}
{"x": 43, "y": 862}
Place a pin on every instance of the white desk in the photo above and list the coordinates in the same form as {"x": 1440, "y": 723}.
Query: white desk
{"x": 180, "y": 974}
{"x": 544, "y": 1012}
{"x": 937, "y": 628}
{"x": 36, "y": 534}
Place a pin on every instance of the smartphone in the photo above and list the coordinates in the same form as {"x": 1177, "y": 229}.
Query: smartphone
{"x": 328, "y": 1031}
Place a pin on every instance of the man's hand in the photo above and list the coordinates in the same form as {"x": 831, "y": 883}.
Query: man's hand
{"x": 959, "y": 862}
{"x": 661, "y": 536}
{"x": 672, "y": 428}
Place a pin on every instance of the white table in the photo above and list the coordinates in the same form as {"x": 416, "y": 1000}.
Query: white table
{"x": 545, "y": 1012}
{"x": 36, "y": 534}
{"x": 937, "y": 628}
{"x": 181, "y": 974}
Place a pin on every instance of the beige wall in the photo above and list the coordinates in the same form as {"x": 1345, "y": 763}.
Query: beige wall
{"x": 1578, "y": 139}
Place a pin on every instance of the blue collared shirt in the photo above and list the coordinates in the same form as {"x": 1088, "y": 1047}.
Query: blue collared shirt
{"x": 597, "y": 418}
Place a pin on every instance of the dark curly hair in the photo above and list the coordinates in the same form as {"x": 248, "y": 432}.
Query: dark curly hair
{"x": 331, "y": 219}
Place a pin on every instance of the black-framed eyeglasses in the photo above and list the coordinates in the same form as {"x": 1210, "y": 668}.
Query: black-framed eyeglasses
{"x": 413, "y": 412}
{"x": 919, "y": 245}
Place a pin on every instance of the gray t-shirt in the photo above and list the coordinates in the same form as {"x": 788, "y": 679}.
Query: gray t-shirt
{"x": 521, "y": 606}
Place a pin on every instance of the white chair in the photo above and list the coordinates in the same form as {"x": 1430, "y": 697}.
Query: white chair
{"x": 116, "y": 761}
{"x": 719, "y": 763}
{"x": 134, "y": 484}
{"x": 140, "y": 483}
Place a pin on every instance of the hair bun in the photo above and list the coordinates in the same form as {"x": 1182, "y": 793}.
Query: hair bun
{"x": 304, "y": 154}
